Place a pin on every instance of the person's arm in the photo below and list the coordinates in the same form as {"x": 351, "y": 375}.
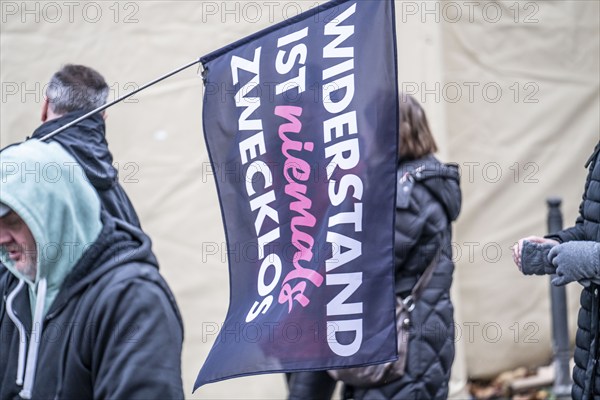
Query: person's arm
{"x": 576, "y": 261}
{"x": 575, "y": 232}
{"x": 535, "y": 254}
{"x": 408, "y": 228}
{"x": 417, "y": 228}
{"x": 534, "y": 258}
{"x": 137, "y": 343}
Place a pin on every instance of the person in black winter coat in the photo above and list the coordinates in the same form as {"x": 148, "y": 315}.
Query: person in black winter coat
{"x": 85, "y": 313}
{"x": 573, "y": 254}
{"x": 428, "y": 201}
{"x": 72, "y": 92}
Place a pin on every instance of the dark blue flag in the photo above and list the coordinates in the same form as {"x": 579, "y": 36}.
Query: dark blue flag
{"x": 301, "y": 126}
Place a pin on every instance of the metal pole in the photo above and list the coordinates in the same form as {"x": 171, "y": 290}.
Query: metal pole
{"x": 105, "y": 106}
{"x": 560, "y": 331}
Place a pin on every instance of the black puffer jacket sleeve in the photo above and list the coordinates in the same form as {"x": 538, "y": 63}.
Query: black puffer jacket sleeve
{"x": 419, "y": 223}
{"x": 576, "y": 232}
{"x": 428, "y": 199}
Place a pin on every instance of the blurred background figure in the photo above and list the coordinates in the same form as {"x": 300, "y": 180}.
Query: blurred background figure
{"x": 428, "y": 201}
{"x": 73, "y": 91}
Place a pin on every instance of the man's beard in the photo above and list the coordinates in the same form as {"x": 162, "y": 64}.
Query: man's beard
{"x": 29, "y": 268}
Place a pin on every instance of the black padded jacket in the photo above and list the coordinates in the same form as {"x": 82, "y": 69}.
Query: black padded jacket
{"x": 586, "y": 374}
{"x": 428, "y": 201}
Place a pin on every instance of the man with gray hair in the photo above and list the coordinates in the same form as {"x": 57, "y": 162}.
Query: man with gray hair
{"x": 73, "y": 91}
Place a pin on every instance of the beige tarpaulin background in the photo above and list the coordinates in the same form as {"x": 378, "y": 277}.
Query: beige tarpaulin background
{"x": 511, "y": 88}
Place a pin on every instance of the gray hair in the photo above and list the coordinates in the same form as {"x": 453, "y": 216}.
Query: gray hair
{"x": 76, "y": 88}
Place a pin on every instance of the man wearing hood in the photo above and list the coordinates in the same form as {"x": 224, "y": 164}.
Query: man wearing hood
{"x": 73, "y": 91}
{"x": 84, "y": 311}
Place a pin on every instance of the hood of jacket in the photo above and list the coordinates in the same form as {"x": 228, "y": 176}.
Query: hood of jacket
{"x": 442, "y": 181}
{"x": 86, "y": 141}
{"x": 60, "y": 208}
{"x": 119, "y": 243}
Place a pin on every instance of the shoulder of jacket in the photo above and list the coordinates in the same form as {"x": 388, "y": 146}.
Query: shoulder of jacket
{"x": 412, "y": 172}
{"x": 125, "y": 273}
{"x": 134, "y": 270}
{"x": 594, "y": 156}
{"x": 410, "y": 189}
{"x": 129, "y": 275}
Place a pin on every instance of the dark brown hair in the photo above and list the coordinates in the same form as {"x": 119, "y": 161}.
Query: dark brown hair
{"x": 414, "y": 136}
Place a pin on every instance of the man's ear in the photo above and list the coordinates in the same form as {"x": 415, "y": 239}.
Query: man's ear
{"x": 104, "y": 115}
{"x": 45, "y": 106}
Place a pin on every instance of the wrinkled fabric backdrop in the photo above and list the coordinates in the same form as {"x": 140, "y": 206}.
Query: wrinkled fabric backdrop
{"x": 511, "y": 89}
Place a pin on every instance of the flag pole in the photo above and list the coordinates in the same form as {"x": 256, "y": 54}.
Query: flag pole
{"x": 105, "y": 106}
